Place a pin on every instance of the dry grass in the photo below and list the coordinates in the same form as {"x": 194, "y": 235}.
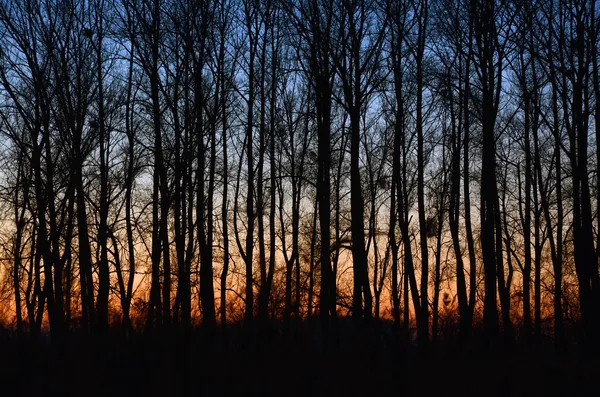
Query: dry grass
{"x": 167, "y": 366}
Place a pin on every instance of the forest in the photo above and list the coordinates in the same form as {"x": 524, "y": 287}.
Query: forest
{"x": 195, "y": 179}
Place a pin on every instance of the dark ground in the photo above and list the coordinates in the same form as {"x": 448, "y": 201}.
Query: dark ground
{"x": 363, "y": 366}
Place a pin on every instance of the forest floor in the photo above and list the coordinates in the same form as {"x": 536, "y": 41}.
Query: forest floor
{"x": 144, "y": 367}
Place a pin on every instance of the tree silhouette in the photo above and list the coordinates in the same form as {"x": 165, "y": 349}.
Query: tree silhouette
{"x": 429, "y": 168}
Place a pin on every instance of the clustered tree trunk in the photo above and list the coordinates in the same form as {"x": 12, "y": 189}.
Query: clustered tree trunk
{"x": 168, "y": 163}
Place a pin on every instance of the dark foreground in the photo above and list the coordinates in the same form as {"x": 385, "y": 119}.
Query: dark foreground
{"x": 274, "y": 366}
